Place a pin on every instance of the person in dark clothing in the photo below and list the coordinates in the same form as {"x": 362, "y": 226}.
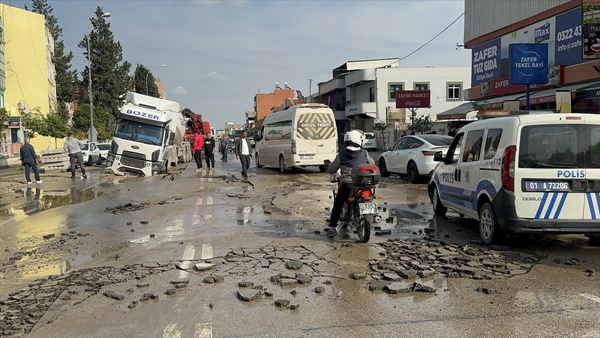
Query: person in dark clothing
{"x": 350, "y": 157}
{"x": 223, "y": 149}
{"x": 243, "y": 153}
{"x": 197, "y": 146}
{"x": 451, "y": 130}
{"x": 209, "y": 151}
{"x": 29, "y": 160}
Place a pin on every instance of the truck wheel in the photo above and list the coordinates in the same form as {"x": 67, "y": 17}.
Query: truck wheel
{"x": 488, "y": 225}
{"x": 258, "y": 165}
{"x": 281, "y": 164}
{"x": 438, "y": 208}
{"x": 99, "y": 160}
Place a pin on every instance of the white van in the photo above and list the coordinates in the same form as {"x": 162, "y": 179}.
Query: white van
{"x": 302, "y": 135}
{"x": 527, "y": 173}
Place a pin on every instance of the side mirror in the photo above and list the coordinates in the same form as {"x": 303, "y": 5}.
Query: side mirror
{"x": 439, "y": 157}
{"x": 171, "y": 138}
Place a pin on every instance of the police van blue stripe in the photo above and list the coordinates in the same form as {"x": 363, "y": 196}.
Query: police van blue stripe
{"x": 541, "y": 207}
{"x": 591, "y": 204}
{"x": 560, "y": 205}
{"x": 598, "y": 200}
{"x": 551, "y": 206}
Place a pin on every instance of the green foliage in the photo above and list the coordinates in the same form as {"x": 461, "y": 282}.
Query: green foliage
{"x": 110, "y": 74}
{"x": 55, "y": 126}
{"x": 3, "y": 114}
{"x": 144, "y": 79}
{"x": 81, "y": 121}
{"x": 34, "y": 123}
{"x": 380, "y": 125}
{"x": 421, "y": 124}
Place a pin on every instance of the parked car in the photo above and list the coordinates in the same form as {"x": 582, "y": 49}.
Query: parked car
{"x": 370, "y": 143}
{"x": 412, "y": 156}
{"x": 523, "y": 173}
{"x": 104, "y": 148}
{"x": 91, "y": 153}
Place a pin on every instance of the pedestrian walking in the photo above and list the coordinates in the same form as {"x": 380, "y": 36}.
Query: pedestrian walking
{"x": 29, "y": 160}
{"x": 223, "y": 149}
{"x": 73, "y": 148}
{"x": 209, "y": 151}
{"x": 242, "y": 152}
{"x": 197, "y": 147}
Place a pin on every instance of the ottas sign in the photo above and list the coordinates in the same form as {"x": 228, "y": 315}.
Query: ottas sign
{"x": 412, "y": 99}
{"x": 528, "y": 63}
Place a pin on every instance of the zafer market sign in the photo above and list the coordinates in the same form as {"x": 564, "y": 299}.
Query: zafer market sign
{"x": 413, "y": 99}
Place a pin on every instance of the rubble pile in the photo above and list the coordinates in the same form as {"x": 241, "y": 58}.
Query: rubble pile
{"x": 128, "y": 207}
{"x": 405, "y": 259}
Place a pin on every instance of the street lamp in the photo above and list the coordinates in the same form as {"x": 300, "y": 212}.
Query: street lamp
{"x": 148, "y": 73}
{"x": 104, "y": 15}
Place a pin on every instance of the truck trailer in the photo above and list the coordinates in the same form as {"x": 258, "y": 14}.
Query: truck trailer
{"x": 149, "y": 137}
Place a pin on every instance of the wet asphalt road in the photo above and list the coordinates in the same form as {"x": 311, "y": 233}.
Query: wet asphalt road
{"x": 206, "y": 254}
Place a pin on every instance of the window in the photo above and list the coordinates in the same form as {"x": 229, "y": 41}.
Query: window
{"x": 454, "y": 150}
{"x": 393, "y": 88}
{"x": 552, "y": 146}
{"x": 372, "y": 94}
{"x": 454, "y": 91}
{"x": 421, "y": 86}
{"x": 491, "y": 143}
{"x": 473, "y": 146}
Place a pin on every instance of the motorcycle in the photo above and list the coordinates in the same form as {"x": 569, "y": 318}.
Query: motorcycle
{"x": 360, "y": 210}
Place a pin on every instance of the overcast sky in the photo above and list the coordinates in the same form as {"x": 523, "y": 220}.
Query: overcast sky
{"x": 218, "y": 54}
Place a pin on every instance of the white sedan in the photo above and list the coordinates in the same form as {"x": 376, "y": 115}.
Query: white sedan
{"x": 412, "y": 156}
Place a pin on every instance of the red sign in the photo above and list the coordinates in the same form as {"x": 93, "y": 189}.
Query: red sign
{"x": 413, "y": 99}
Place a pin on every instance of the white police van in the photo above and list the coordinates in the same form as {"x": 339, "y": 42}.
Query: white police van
{"x": 525, "y": 173}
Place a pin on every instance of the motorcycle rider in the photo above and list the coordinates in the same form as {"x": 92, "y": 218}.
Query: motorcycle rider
{"x": 350, "y": 157}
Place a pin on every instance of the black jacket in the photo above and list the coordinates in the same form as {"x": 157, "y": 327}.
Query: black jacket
{"x": 28, "y": 154}
{"x": 346, "y": 160}
{"x": 238, "y": 146}
{"x": 209, "y": 145}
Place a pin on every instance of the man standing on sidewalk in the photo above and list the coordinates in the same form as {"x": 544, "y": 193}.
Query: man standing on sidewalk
{"x": 242, "y": 152}
{"x": 73, "y": 148}
{"x": 29, "y": 160}
{"x": 197, "y": 147}
{"x": 209, "y": 151}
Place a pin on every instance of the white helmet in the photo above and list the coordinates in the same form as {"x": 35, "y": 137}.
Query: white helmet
{"x": 354, "y": 139}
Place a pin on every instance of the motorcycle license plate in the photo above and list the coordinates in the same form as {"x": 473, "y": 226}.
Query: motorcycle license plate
{"x": 368, "y": 208}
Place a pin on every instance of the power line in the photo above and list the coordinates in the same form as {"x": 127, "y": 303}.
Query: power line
{"x": 438, "y": 34}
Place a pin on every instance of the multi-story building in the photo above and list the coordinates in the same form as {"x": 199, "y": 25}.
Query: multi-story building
{"x": 29, "y": 72}
{"x": 265, "y": 103}
{"x": 573, "y": 53}
{"x": 363, "y": 92}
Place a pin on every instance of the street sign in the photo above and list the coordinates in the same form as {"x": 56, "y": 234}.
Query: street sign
{"x": 528, "y": 63}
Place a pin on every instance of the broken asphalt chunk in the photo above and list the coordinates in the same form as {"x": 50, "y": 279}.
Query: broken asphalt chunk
{"x": 248, "y": 295}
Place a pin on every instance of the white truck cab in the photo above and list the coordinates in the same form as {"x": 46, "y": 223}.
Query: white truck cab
{"x": 527, "y": 173}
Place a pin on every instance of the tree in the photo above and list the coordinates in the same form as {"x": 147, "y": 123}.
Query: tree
{"x": 380, "y": 126}
{"x": 102, "y": 118}
{"x": 110, "y": 74}
{"x": 421, "y": 124}
{"x": 55, "y": 127}
{"x": 33, "y": 123}
{"x": 142, "y": 78}
{"x": 66, "y": 79}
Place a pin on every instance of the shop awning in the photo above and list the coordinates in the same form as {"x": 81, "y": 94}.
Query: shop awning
{"x": 457, "y": 113}
{"x": 549, "y": 95}
{"x": 496, "y": 102}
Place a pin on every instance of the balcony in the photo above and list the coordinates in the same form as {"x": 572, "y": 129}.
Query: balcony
{"x": 332, "y": 85}
{"x": 360, "y": 77}
{"x": 362, "y": 108}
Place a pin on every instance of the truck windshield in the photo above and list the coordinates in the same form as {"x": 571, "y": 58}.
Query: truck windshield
{"x": 135, "y": 131}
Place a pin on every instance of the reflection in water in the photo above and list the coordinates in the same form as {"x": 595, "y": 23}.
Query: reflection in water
{"x": 37, "y": 200}
{"x": 200, "y": 211}
{"x": 244, "y": 214}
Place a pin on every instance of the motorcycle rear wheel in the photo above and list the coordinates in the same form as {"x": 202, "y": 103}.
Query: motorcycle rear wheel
{"x": 363, "y": 230}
